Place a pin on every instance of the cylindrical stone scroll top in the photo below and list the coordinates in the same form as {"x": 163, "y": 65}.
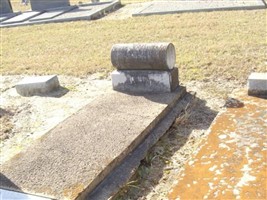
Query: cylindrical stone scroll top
{"x": 143, "y": 56}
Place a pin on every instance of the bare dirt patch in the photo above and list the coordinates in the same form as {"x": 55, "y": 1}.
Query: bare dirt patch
{"x": 6, "y": 124}
{"x": 25, "y": 119}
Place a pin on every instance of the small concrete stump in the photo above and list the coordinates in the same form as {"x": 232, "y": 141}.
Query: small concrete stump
{"x": 145, "y": 81}
{"x": 144, "y": 68}
{"x": 40, "y": 85}
{"x": 257, "y": 84}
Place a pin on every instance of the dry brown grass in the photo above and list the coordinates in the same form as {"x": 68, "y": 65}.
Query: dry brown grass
{"x": 227, "y": 44}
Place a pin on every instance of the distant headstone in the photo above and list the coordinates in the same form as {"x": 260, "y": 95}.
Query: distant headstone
{"x": 40, "y": 85}
{"x": 48, "y": 4}
{"x": 5, "y": 7}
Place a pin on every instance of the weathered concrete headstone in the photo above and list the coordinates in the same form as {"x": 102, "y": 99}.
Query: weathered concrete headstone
{"x": 148, "y": 56}
{"x": 48, "y": 4}
{"x": 39, "y": 85}
{"x": 147, "y": 67}
{"x": 145, "y": 80}
{"x": 257, "y": 84}
{"x": 5, "y": 7}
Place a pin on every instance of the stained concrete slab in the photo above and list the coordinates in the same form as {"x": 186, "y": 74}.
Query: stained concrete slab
{"x": 48, "y": 4}
{"x": 39, "y": 85}
{"x": 5, "y": 7}
{"x": 22, "y": 17}
{"x": 257, "y": 84}
{"x": 52, "y": 13}
{"x": 231, "y": 162}
{"x": 178, "y": 6}
{"x": 83, "y": 12}
{"x": 122, "y": 173}
{"x": 74, "y": 157}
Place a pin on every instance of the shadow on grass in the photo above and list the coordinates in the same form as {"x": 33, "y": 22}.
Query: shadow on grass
{"x": 194, "y": 116}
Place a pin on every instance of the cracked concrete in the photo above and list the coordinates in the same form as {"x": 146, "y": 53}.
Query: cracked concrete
{"x": 231, "y": 163}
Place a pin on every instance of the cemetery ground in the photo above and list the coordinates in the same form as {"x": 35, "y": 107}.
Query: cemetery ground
{"x": 216, "y": 51}
{"x": 18, "y": 6}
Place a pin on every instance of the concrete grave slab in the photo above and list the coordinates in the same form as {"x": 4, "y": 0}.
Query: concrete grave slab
{"x": 8, "y": 16}
{"x": 5, "y": 7}
{"x": 257, "y": 84}
{"x": 83, "y": 12}
{"x": 39, "y": 85}
{"x": 22, "y": 17}
{"x": 89, "y": 11}
{"x": 48, "y": 4}
{"x": 74, "y": 157}
{"x": 52, "y": 13}
{"x": 178, "y": 6}
{"x": 122, "y": 174}
{"x": 142, "y": 81}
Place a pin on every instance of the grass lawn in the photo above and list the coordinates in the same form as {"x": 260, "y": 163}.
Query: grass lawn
{"x": 210, "y": 45}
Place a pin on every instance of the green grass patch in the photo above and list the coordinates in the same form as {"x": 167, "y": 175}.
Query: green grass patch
{"x": 227, "y": 44}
